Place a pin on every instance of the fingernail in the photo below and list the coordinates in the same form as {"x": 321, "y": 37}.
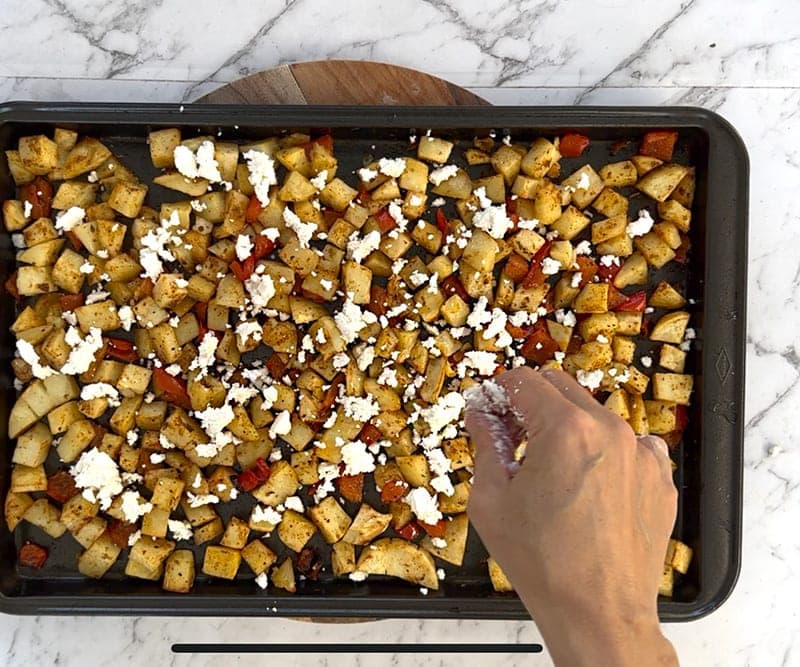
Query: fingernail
{"x": 654, "y": 442}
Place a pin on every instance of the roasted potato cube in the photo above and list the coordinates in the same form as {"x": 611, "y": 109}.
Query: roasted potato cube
{"x": 672, "y": 211}
{"x": 127, "y": 198}
{"x": 367, "y": 525}
{"x": 179, "y": 570}
{"x": 638, "y": 418}
{"x": 672, "y": 358}
{"x": 357, "y": 280}
{"x": 660, "y": 416}
{"x": 570, "y": 223}
{"x": 283, "y": 576}
{"x": 654, "y": 249}
{"x": 434, "y": 149}
{"x": 133, "y": 380}
{"x": 332, "y": 521}
{"x": 337, "y": 194}
{"x": 540, "y": 158}
{"x": 619, "y": 174}
{"x": 98, "y": 558}
{"x": 75, "y": 440}
{"x": 673, "y": 387}
{"x": 398, "y": 558}
{"x": 295, "y": 530}
{"x": 221, "y": 562}
{"x": 33, "y": 446}
{"x": 632, "y": 272}
{"x": 33, "y": 280}
{"x": 38, "y": 153}
{"x": 281, "y": 484}
{"x": 666, "y": 296}
{"x": 15, "y": 507}
{"x": 500, "y": 581}
{"x": 671, "y": 328}
{"x": 45, "y": 516}
{"x": 481, "y": 251}
{"x": 258, "y": 556}
{"x": 162, "y": 147}
{"x": 343, "y": 558}
{"x": 593, "y": 298}
{"x": 660, "y": 182}
{"x": 236, "y": 534}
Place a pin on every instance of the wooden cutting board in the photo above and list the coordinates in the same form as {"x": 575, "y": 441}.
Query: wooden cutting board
{"x": 342, "y": 82}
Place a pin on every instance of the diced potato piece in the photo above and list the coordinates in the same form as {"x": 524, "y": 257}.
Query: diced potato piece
{"x": 221, "y": 562}
{"x": 337, "y": 194}
{"x": 127, "y": 198}
{"x": 179, "y": 571}
{"x": 500, "y": 581}
{"x": 540, "y": 158}
{"x": 654, "y": 249}
{"x": 632, "y": 272}
{"x": 603, "y": 230}
{"x": 15, "y": 507}
{"x": 295, "y": 530}
{"x": 45, "y": 516}
{"x": 331, "y": 519}
{"x": 666, "y": 296}
{"x": 33, "y": 446}
{"x": 98, "y": 558}
{"x": 38, "y": 153}
{"x": 456, "y": 530}
{"x": 236, "y": 534}
{"x": 660, "y": 182}
{"x": 258, "y": 556}
{"x": 638, "y": 418}
{"x": 593, "y": 298}
{"x": 671, "y": 328}
{"x": 672, "y": 211}
{"x": 343, "y": 558}
{"x": 434, "y": 149}
{"x": 481, "y": 251}
{"x": 283, "y": 576}
{"x": 673, "y": 387}
{"x": 672, "y": 358}
{"x": 660, "y": 416}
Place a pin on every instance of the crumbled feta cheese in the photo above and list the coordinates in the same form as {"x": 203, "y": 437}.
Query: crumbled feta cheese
{"x": 133, "y": 538}
{"x": 483, "y": 200}
{"x": 439, "y": 201}
{"x": 643, "y": 224}
{"x": 181, "y": 530}
{"x": 442, "y": 174}
{"x": 424, "y": 505}
{"x": 205, "y": 354}
{"x": 157, "y": 457}
{"x": 417, "y": 279}
{"x": 393, "y": 168}
{"x": 602, "y": 339}
{"x": 439, "y": 543}
{"x": 261, "y": 174}
{"x": 388, "y": 377}
{"x": 493, "y": 220}
{"x": 247, "y": 330}
{"x": 282, "y": 425}
{"x": 207, "y": 166}
{"x": 81, "y": 356}
{"x": 360, "y": 408}
{"x": 590, "y": 379}
{"x": 327, "y": 473}
{"x": 27, "y": 209}
{"x": 367, "y": 175}
{"x": 97, "y": 474}
{"x": 559, "y": 356}
{"x": 567, "y": 318}
{"x": 126, "y": 316}
{"x": 647, "y": 361}
{"x": 320, "y": 180}
{"x": 396, "y": 213}
{"x": 133, "y": 506}
{"x": 66, "y": 220}
{"x": 423, "y": 590}
{"x": 530, "y": 225}
{"x": 185, "y": 161}
{"x": 576, "y": 280}
{"x": 583, "y": 181}
{"x": 200, "y": 500}
{"x": 244, "y": 247}
{"x": 100, "y": 390}
{"x": 689, "y": 334}
{"x": 358, "y": 249}
{"x": 266, "y": 515}
{"x": 550, "y": 266}
{"x": 351, "y": 319}
{"x": 304, "y": 230}
{"x": 29, "y": 355}
{"x": 444, "y": 412}
{"x": 440, "y": 572}
{"x": 294, "y": 503}
{"x": 583, "y": 248}
{"x": 485, "y": 363}
{"x": 356, "y": 458}
{"x": 261, "y": 289}
{"x": 358, "y": 576}
{"x": 609, "y": 260}
{"x": 261, "y": 580}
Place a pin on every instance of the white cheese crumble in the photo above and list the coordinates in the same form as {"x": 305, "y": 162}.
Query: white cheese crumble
{"x": 396, "y": 213}
{"x": 351, "y": 319}
{"x": 66, "y": 220}
{"x": 444, "y": 412}
{"x": 304, "y": 230}
{"x": 550, "y": 266}
{"x": 81, "y": 356}
{"x": 356, "y": 458}
{"x": 583, "y": 248}
{"x": 590, "y": 379}
{"x": 327, "y": 473}
{"x": 442, "y": 174}
{"x": 133, "y": 506}
{"x": 493, "y": 220}
{"x": 261, "y": 289}
{"x": 133, "y": 538}
{"x": 439, "y": 543}
{"x": 27, "y": 209}
{"x": 181, "y": 530}
{"x": 200, "y": 500}
{"x": 358, "y": 576}
{"x": 358, "y": 249}
{"x": 294, "y": 503}
{"x": 647, "y": 361}
{"x": 367, "y": 175}
{"x": 126, "y": 317}
{"x": 29, "y": 355}
{"x": 266, "y": 515}
{"x": 261, "y": 174}
{"x": 247, "y": 330}
{"x": 424, "y": 506}
{"x": 261, "y": 580}
{"x": 485, "y": 363}
{"x": 643, "y": 224}
{"x": 320, "y": 180}
{"x": 100, "y": 390}
{"x": 97, "y": 474}
{"x": 583, "y": 181}
{"x": 282, "y": 425}
{"x": 244, "y": 247}
{"x": 205, "y": 354}
{"x": 360, "y": 408}
{"x": 576, "y": 280}
{"x": 394, "y": 167}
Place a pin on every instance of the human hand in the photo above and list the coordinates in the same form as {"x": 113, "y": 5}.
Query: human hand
{"x": 581, "y": 525}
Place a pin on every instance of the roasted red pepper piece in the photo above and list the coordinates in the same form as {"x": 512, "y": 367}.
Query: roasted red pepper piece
{"x": 411, "y": 531}
{"x": 378, "y": 300}
{"x": 659, "y": 144}
{"x": 393, "y": 490}
{"x": 682, "y": 253}
{"x": 171, "y": 389}
{"x": 539, "y": 347}
{"x": 588, "y": 269}
{"x": 437, "y": 529}
{"x": 370, "y": 434}
{"x": 263, "y": 246}
{"x": 633, "y": 303}
{"x": 573, "y": 145}
{"x": 70, "y": 301}
{"x": 681, "y": 417}
{"x": 519, "y": 332}
{"x": 516, "y": 267}
{"x": 261, "y": 469}
{"x": 120, "y": 531}
{"x": 201, "y": 310}
{"x": 39, "y": 193}
{"x": 330, "y": 396}
{"x": 615, "y": 298}
{"x": 275, "y": 365}
{"x": 61, "y": 486}
{"x": 535, "y": 275}
{"x": 10, "y": 285}
{"x": 386, "y": 222}
{"x": 254, "y": 209}
{"x": 608, "y": 273}
{"x": 74, "y": 240}
{"x": 121, "y": 349}
{"x": 246, "y": 481}
{"x": 442, "y": 223}
{"x": 452, "y": 285}
{"x": 32, "y": 555}
{"x": 326, "y": 141}
{"x": 351, "y": 487}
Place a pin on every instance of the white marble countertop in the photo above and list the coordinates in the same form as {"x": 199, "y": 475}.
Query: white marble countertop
{"x": 738, "y": 58}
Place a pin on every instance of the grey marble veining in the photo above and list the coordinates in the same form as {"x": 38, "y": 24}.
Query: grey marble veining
{"x": 737, "y": 58}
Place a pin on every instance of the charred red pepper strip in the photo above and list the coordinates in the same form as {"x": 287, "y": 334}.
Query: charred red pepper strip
{"x": 254, "y": 209}
{"x": 442, "y": 223}
{"x": 70, "y": 301}
{"x": 261, "y": 470}
{"x": 246, "y": 481}
{"x": 681, "y": 417}
{"x": 634, "y": 303}
{"x": 452, "y": 285}
{"x": 61, "y": 486}
{"x": 119, "y": 532}
{"x": 588, "y": 269}
{"x": 535, "y": 274}
{"x": 32, "y": 555}
{"x": 659, "y": 144}
{"x": 370, "y": 434}
{"x": 393, "y": 491}
{"x": 171, "y": 389}
{"x": 386, "y": 222}
{"x": 437, "y": 529}
{"x": 39, "y": 194}
{"x": 411, "y": 531}
{"x": 351, "y": 487}
{"x": 121, "y": 349}
{"x": 74, "y": 240}
{"x": 539, "y": 347}
{"x": 516, "y": 267}
{"x": 573, "y": 145}
{"x": 615, "y": 298}
{"x": 608, "y": 273}
{"x": 263, "y": 246}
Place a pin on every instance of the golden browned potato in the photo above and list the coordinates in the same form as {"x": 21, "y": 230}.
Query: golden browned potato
{"x": 398, "y": 558}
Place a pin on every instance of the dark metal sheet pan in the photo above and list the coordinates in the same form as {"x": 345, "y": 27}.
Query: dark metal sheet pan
{"x": 709, "y": 475}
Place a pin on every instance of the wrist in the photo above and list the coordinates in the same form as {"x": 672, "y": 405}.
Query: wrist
{"x": 603, "y": 637}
